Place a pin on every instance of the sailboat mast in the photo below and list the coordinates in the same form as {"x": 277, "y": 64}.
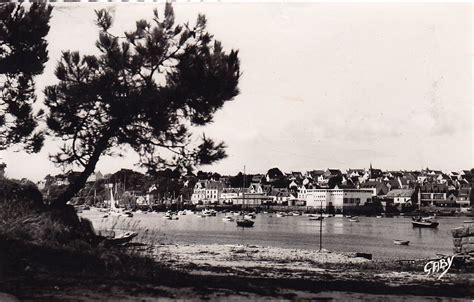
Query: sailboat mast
{"x": 419, "y": 200}
{"x": 243, "y": 192}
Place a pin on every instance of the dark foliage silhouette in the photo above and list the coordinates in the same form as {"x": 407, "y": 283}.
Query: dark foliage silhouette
{"x": 146, "y": 90}
{"x": 23, "y": 54}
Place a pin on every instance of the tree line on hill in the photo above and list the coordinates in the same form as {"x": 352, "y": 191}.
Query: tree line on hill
{"x": 167, "y": 183}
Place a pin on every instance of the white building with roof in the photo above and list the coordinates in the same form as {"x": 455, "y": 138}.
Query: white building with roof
{"x": 207, "y": 191}
{"x": 339, "y": 198}
{"x": 400, "y": 196}
{"x": 228, "y": 194}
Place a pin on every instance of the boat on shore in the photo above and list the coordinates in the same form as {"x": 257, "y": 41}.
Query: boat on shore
{"x": 401, "y": 242}
{"x": 111, "y": 238}
{"x": 424, "y": 222}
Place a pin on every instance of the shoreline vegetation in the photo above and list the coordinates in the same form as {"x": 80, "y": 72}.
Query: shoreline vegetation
{"x": 59, "y": 265}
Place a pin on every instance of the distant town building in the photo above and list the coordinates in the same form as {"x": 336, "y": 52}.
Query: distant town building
{"x": 316, "y": 175}
{"x": 339, "y": 198}
{"x": 256, "y": 188}
{"x": 463, "y": 196}
{"x": 206, "y": 191}
{"x": 400, "y": 196}
{"x": 252, "y": 199}
{"x": 228, "y": 194}
{"x": 95, "y": 177}
{"x": 378, "y": 188}
{"x": 433, "y": 194}
{"x": 61, "y": 180}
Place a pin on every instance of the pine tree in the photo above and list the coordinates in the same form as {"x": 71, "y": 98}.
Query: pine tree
{"x": 23, "y": 54}
{"x": 145, "y": 90}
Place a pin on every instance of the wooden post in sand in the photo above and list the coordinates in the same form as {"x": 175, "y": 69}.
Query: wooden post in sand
{"x": 321, "y": 227}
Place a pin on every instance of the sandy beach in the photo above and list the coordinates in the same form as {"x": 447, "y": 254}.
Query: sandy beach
{"x": 273, "y": 262}
{"x": 248, "y": 272}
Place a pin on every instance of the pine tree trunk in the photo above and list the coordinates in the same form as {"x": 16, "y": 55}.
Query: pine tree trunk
{"x": 79, "y": 182}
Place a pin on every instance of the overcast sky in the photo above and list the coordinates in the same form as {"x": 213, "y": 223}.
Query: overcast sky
{"x": 324, "y": 85}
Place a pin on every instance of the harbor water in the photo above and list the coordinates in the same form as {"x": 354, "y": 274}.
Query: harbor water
{"x": 369, "y": 235}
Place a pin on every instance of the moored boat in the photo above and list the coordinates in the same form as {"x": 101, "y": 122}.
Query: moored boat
{"x": 250, "y": 216}
{"x": 228, "y": 218}
{"x": 171, "y": 215}
{"x": 206, "y": 213}
{"x": 245, "y": 223}
{"x": 354, "y": 219}
{"x": 420, "y": 222}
